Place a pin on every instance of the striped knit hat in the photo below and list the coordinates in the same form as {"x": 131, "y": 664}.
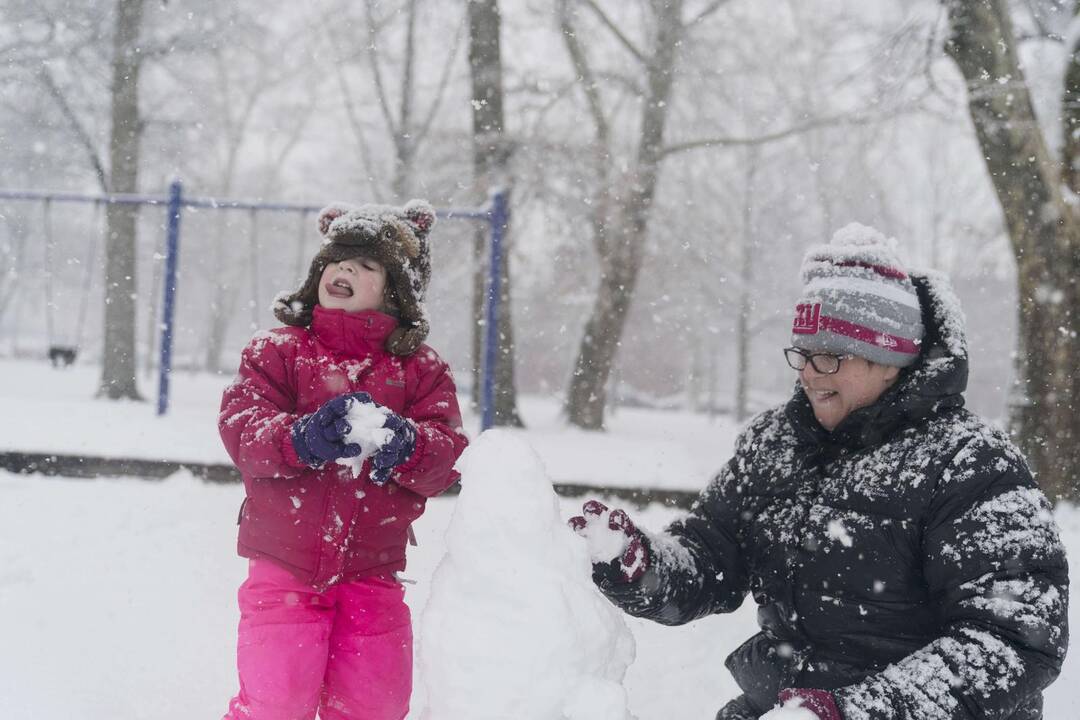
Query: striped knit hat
{"x": 858, "y": 300}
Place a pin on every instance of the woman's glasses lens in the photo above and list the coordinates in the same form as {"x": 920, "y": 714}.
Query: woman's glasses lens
{"x": 795, "y": 359}
{"x": 824, "y": 363}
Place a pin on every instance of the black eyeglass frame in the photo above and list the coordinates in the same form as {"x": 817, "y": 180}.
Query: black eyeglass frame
{"x": 791, "y": 352}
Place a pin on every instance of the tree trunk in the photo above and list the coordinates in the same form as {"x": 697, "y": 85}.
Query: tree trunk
{"x": 588, "y": 385}
{"x": 621, "y": 262}
{"x": 223, "y": 302}
{"x": 743, "y": 334}
{"x": 1045, "y": 237}
{"x": 118, "y": 358}
{"x": 14, "y": 257}
{"x": 491, "y": 169}
{"x": 404, "y": 139}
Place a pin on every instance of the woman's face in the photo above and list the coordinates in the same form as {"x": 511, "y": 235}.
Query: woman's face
{"x": 855, "y": 385}
{"x": 353, "y": 285}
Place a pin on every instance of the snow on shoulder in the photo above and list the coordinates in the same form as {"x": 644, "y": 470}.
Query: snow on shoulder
{"x": 514, "y": 627}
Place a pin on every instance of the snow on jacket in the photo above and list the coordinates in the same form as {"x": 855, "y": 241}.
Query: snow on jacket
{"x": 323, "y": 524}
{"x": 907, "y": 561}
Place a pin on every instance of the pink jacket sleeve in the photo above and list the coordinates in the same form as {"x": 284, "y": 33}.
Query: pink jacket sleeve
{"x": 439, "y": 435}
{"x": 258, "y": 410}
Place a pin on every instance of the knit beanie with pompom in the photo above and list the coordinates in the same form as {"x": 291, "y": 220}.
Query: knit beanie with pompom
{"x": 857, "y": 299}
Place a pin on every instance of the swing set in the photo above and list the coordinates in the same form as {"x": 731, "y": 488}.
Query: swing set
{"x": 63, "y": 348}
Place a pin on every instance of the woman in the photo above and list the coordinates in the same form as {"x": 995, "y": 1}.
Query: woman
{"x": 904, "y": 562}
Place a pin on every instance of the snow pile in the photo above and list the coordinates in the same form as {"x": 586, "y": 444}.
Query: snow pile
{"x": 367, "y": 431}
{"x": 514, "y": 627}
{"x": 791, "y": 710}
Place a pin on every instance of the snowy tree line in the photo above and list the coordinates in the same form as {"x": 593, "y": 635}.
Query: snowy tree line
{"x": 669, "y": 164}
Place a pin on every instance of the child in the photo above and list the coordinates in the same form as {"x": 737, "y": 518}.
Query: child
{"x": 324, "y": 625}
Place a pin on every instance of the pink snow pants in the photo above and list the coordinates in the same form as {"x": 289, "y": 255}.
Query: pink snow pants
{"x": 346, "y": 652}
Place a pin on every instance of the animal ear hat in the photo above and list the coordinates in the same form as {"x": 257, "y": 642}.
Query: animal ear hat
{"x": 396, "y": 237}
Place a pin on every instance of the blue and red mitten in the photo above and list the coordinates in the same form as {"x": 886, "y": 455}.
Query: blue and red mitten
{"x": 394, "y": 451}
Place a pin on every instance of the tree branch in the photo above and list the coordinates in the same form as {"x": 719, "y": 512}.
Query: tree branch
{"x": 444, "y": 82}
{"x": 407, "y": 72}
{"x": 81, "y": 133}
{"x": 584, "y": 73}
{"x": 705, "y": 12}
{"x": 596, "y": 108}
{"x": 373, "y": 56}
{"x": 610, "y": 25}
{"x": 1042, "y": 32}
{"x": 358, "y": 130}
{"x": 730, "y": 141}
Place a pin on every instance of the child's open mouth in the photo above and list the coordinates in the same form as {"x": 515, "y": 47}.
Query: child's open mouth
{"x": 339, "y": 289}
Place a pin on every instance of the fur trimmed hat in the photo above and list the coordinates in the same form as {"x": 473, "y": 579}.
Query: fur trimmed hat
{"x": 396, "y": 237}
{"x": 857, "y": 299}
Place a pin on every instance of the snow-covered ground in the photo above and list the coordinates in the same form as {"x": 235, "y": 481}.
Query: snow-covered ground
{"x": 54, "y": 411}
{"x": 117, "y": 595}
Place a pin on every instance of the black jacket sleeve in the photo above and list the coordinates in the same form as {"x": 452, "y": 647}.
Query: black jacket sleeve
{"x": 996, "y": 570}
{"x": 697, "y": 566}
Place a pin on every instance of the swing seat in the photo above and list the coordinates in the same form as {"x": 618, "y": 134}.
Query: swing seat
{"x": 62, "y": 355}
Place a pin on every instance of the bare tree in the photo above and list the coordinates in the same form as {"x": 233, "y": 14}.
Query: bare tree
{"x": 622, "y": 202}
{"x": 491, "y": 169}
{"x": 407, "y": 124}
{"x": 118, "y": 361}
{"x": 1042, "y": 225}
{"x": 238, "y": 98}
{"x": 743, "y": 331}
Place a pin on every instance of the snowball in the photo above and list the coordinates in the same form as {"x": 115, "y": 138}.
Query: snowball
{"x": 514, "y": 627}
{"x": 604, "y": 544}
{"x": 367, "y": 431}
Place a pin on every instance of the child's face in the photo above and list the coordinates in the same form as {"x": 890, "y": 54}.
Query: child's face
{"x": 352, "y": 285}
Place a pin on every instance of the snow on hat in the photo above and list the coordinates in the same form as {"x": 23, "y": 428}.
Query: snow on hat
{"x": 858, "y": 300}
{"x": 397, "y": 237}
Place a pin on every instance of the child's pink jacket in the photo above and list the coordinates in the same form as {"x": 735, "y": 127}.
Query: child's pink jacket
{"x": 322, "y": 524}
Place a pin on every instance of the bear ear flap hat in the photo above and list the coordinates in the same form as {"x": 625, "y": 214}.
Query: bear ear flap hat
{"x": 396, "y": 237}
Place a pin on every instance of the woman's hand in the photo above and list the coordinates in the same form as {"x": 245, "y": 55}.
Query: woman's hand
{"x": 804, "y": 704}
{"x": 615, "y": 543}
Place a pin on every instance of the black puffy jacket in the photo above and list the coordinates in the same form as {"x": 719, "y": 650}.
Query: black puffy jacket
{"x": 907, "y": 561}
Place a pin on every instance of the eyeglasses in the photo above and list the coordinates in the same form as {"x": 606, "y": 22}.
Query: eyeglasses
{"x": 824, "y": 363}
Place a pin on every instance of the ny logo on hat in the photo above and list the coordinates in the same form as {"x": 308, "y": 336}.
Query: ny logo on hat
{"x": 807, "y": 318}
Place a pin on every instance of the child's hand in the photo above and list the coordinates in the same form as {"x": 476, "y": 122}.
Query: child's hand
{"x": 395, "y": 450}
{"x": 318, "y": 438}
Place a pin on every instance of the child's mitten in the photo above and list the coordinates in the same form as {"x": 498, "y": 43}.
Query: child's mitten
{"x": 317, "y": 438}
{"x": 395, "y": 450}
